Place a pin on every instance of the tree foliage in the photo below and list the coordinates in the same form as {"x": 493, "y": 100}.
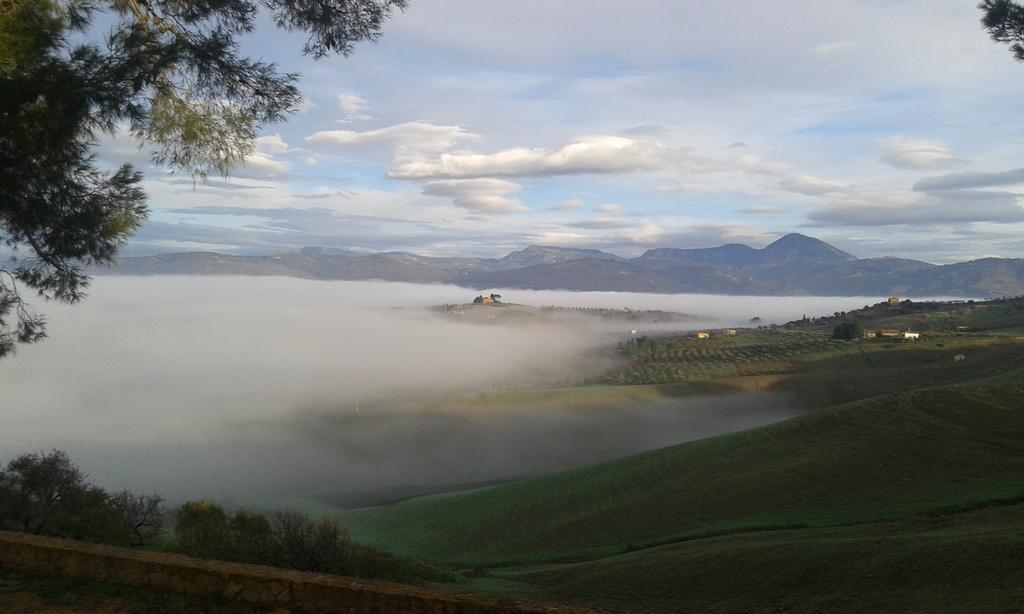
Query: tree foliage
{"x": 848, "y": 330}
{"x": 170, "y": 73}
{"x": 1004, "y": 21}
{"x": 47, "y": 494}
{"x": 288, "y": 539}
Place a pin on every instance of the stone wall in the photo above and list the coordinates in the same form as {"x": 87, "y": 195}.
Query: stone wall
{"x": 267, "y": 586}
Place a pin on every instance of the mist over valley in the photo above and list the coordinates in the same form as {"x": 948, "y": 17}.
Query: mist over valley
{"x": 277, "y": 390}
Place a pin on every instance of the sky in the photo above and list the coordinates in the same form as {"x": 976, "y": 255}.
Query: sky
{"x": 477, "y": 127}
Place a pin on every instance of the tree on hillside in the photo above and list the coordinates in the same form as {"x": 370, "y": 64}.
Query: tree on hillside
{"x": 1004, "y": 20}
{"x": 170, "y": 73}
{"x": 848, "y": 329}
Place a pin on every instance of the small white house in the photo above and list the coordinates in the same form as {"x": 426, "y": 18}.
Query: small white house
{"x": 911, "y": 336}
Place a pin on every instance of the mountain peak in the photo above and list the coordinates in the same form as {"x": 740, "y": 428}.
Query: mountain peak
{"x": 795, "y": 238}
{"x": 797, "y": 247}
{"x": 549, "y": 254}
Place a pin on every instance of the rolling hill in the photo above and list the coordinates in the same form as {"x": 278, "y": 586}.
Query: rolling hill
{"x": 884, "y": 459}
{"x": 911, "y": 502}
{"x": 903, "y": 492}
{"x": 793, "y": 265}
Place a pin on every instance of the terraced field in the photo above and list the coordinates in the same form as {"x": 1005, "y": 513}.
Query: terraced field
{"x": 681, "y": 358}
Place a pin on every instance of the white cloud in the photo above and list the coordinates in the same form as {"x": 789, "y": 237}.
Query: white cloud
{"x": 353, "y": 108}
{"x": 272, "y": 144}
{"x": 762, "y": 211}
{"x": 409, "y": 137}
{"x": 561, "y": 239}
{"x": 685, "y": 188}
{"x": 573, "y": 204}
{"x": 752, "y": 163}
{"x": 959, "y": 181}
{"x": 649, "y": 234}
{"x": 608, "y": 209}
{"x": 830, "y": 50}
{"x": 601, "y": 223}
{"x": 262, "y": 166}
{"x": 311, "y": 161}
{"x": 955, "y": 207}
{"x": 599, "y": 154}
{"x": 910, "y": 153}
{"x": 487, "y": 196}
{"x": 811, "y": 186}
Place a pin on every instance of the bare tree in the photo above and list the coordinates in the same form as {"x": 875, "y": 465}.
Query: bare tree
{"x": 142, "y": 516}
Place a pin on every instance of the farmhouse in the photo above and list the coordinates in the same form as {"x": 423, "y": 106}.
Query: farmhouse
{"x": 909, "y": 336}
{"x": 729, "y": 332}
{"x": 889, "y": 332}
{"x": 870, "y": 333}
{"x": 493, "y": 299}
{"x": 894, "y": 301}
{"x": 703, "y": 335}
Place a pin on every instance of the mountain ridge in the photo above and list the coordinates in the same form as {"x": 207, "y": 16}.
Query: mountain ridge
{"x": 795, "y": 264}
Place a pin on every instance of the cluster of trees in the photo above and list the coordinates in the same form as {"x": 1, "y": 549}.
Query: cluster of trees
{"x": 848, "y": 330}
{"x": 47, "y": 494}
{"x": 290, "y": 540}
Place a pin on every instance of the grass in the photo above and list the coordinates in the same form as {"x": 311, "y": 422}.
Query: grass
{"x": 876, "y": 460}
{"x": 25, "y": 593}
{"x": 903, "y": 492}
{"x": 970, "y": 562}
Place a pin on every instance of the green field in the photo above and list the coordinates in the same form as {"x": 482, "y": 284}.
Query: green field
{"x": 904, "y": 491}
{"x": 969, "y": 562}
{"x": 876, "y": 460}
{"x": 892, "y": 485}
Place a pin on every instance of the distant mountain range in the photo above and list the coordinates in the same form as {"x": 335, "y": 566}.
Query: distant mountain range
{"x": 793, "y": 265}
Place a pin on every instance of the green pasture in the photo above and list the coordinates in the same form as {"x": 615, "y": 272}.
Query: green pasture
{"x": 877, "y": 460}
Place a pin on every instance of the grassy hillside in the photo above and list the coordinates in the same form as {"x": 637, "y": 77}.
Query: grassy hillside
{"x": 968, "y": 562}
{"x": 903, "y": 492}
{"x": 882, "y": 459}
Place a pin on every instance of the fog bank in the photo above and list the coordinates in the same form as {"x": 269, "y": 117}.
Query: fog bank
{"x": 248, "y": 388}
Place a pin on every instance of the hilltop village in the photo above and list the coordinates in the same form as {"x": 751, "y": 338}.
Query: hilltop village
{"x": 492, "y": 308}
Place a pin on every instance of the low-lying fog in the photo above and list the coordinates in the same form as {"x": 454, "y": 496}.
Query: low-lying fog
{"x": 269, "y": 390}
